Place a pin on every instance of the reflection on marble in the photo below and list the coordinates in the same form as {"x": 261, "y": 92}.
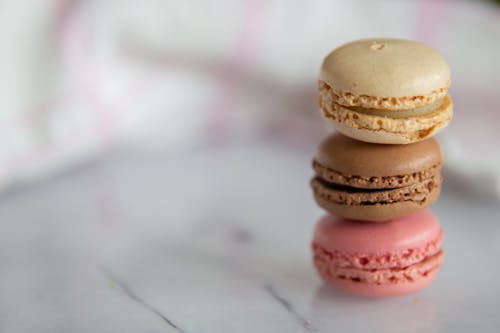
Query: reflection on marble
{"x": 213, "y": 242}
{"x": 410, "y": 313}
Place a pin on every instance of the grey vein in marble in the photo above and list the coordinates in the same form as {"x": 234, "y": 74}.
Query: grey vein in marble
{"x": 133, "y": 296}
{"x": 306, "y": 324}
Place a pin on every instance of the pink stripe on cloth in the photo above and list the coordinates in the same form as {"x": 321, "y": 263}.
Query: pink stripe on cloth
{"x": 76, "y": 40}
{"x": 245, "y": 52}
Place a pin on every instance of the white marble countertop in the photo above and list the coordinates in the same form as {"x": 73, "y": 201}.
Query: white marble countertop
{"x": 216, "y": 240}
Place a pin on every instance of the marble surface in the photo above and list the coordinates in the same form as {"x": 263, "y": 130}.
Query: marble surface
{"x": 214, "y": 240}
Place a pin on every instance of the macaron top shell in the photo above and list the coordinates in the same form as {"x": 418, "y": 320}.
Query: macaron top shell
{"x": 416, "y": 231}
{"x": 385, "y": 67}
{"x": 352, "y": 157}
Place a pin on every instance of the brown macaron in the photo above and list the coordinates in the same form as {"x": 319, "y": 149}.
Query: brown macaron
{"x": 373, "y": 182}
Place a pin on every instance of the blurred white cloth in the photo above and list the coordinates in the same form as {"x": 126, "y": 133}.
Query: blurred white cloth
{"x": 79, "y": 77}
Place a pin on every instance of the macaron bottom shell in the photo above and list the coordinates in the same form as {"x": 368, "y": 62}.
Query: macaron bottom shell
{"x": 386, "y": 137}
{"x": 381, "y": 282}
{"x": 377, "y": 290}
{"x": 373, "y": 212}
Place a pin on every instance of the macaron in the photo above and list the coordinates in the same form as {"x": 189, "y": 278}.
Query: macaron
{"x": 378, "y": 259}
{"x": 373, "y": 182}
{"x": 389, "y": 91}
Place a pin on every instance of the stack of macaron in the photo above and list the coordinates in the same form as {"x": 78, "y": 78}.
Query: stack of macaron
{"x": 377, "y": 175}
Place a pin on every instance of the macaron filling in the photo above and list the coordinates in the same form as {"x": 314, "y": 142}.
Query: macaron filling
{"x": 346, "y": 195}
{"x": 416, "y": 112}
{"x": 386, "y": 268}
{"x": 408, "y": 129}
{"x": 370, "y": 261}
{"x": 394, "y": 275}
{"x": 365, "y": 182}
{"x": 332, "y": 186}
{"x": 385, "y": 103}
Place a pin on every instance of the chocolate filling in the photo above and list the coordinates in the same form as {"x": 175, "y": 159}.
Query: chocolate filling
{"x": 380, "y": 182}
{"x": 349, "y": 189}
{"x": 347, "y": 195}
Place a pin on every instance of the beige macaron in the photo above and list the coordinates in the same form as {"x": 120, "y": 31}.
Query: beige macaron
{"x": 385, "y": 90}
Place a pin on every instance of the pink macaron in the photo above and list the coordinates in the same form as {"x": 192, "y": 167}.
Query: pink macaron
{"x": 378, "y": 259}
